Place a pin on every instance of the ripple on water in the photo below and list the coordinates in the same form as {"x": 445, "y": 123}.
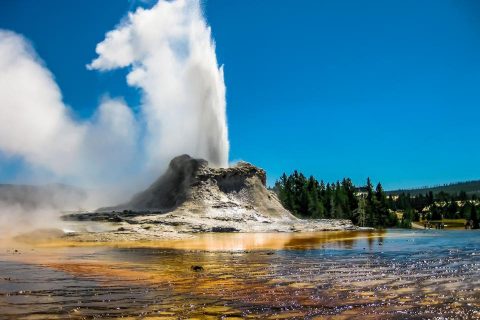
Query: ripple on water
{"x": 420, "y": 276}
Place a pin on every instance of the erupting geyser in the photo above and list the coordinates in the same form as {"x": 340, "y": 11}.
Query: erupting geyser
{"x": 172, "y": 58}
{"x": 170, "y": 55}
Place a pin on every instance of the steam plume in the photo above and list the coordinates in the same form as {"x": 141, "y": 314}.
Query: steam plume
{"x": 170, "y": 55}
{"x": 36, "y": 126}
{"x": 171, "y": 58}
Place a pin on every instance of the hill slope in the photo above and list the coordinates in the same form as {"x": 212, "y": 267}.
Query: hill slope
{"x": 470, "y": 187}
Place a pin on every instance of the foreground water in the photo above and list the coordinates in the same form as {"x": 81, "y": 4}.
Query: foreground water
{"x": 338, "y": 275}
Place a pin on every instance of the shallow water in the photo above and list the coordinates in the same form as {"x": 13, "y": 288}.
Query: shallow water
{"x": 338, "y": 275}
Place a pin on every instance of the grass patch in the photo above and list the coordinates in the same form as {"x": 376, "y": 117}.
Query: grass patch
{"x": 449, "y": 223}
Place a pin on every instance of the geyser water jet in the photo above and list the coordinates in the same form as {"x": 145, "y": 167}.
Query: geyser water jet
{"x": 170, "y": 54}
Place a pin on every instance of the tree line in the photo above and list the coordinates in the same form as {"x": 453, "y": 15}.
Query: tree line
{"x": 368, "y": 206}
{"x": 438, "y": 206}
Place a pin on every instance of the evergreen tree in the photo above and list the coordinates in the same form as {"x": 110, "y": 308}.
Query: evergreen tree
{"x": 462, "y": 196}
{"x": 416, "y": 216}
{"x": 430, "y": 198}
{"x": 474, "y": 216}
{"x": 452, "y": 210}
{"x": 328, "y": 202}
{"x": 284, "y": 191}
{"x": 381, "y": 212}
{"x": 351, "y": 199}
{"x": 435, "y": 212}
{"x": 371, "y": 217}
{"x": 407, "y": 218}
{"x": 308, "y": 198}
{"x": 464, "y": 211}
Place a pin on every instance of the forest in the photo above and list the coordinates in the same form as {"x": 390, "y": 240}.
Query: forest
{"x": 370, "y": 206}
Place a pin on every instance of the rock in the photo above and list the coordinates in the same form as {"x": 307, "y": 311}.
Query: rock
{"x": 189, "y": 179}
{"x": 224, "y": 229}
{"x": 191, "y": 184}
{"x": 197, "y": 268}
{"x": 169, "y": 191}
{"x": 115, "y": 218}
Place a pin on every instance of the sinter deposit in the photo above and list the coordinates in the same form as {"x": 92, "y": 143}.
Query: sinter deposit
{"x": 193, "y": 197}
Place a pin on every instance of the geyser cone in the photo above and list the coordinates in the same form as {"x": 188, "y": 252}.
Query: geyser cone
{"x": 190, "y": 184}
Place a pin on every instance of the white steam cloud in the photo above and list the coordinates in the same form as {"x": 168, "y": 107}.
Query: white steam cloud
{"x": 172, "y": 58}
{"x": 37, "y": 126}
{"x": 170, "y": 55}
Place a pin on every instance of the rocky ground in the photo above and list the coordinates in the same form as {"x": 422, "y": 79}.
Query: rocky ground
{"x": 192, "y": 197}
{"x": 182, "y": 224}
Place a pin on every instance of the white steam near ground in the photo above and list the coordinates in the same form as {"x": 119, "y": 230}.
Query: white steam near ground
{"x": 170, "y": 55}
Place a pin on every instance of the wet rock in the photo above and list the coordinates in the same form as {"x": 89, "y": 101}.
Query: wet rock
{"x": 115, "y": 218}
{"x": 197, "y": 268}
{"x": 224, "y": 229}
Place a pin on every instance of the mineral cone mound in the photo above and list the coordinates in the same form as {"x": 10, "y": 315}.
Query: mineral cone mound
{"x": 191, "y": 185}
{"x": 193, "y": 197}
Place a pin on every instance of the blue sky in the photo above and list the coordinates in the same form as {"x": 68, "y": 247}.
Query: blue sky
{"x": 386, "y": 89}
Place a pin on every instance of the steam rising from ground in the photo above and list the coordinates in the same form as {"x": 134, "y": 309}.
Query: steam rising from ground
{"x": 171, "y": 58}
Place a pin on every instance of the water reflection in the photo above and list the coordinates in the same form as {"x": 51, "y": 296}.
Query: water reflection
{"x": 243, "y": 241}
{"x": 393, "y": 274}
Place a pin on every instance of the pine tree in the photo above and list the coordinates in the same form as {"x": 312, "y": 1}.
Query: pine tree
{"x": 313, "y": 200}
{"x": 327, "y": 201}
{"x": 452, "y": 210}
{"x": 340, "y": 200}
{"x": 284, "y": 191}
{"x": 430, "y": 198}
{"x": 381, "y": 212}
{"x": 474, "y": 217}
{"x": 371, "y": 220}
{"x": 435, "y": 212}
{"x": 352, "y": 201}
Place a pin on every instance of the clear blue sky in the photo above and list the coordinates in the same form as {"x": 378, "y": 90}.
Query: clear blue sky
{"x": 386, "y": 89}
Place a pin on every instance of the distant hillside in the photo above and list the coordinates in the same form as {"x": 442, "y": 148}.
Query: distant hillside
{"x": 29, "y": 197}
{"x": 470, "y": 187}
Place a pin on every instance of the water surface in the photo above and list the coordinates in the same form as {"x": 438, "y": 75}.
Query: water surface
{"x": 337, "y": 275}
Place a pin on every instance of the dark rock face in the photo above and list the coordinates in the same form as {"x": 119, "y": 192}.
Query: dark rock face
{"x": 171, "y": 189}
{"x": 234, "y": 178}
